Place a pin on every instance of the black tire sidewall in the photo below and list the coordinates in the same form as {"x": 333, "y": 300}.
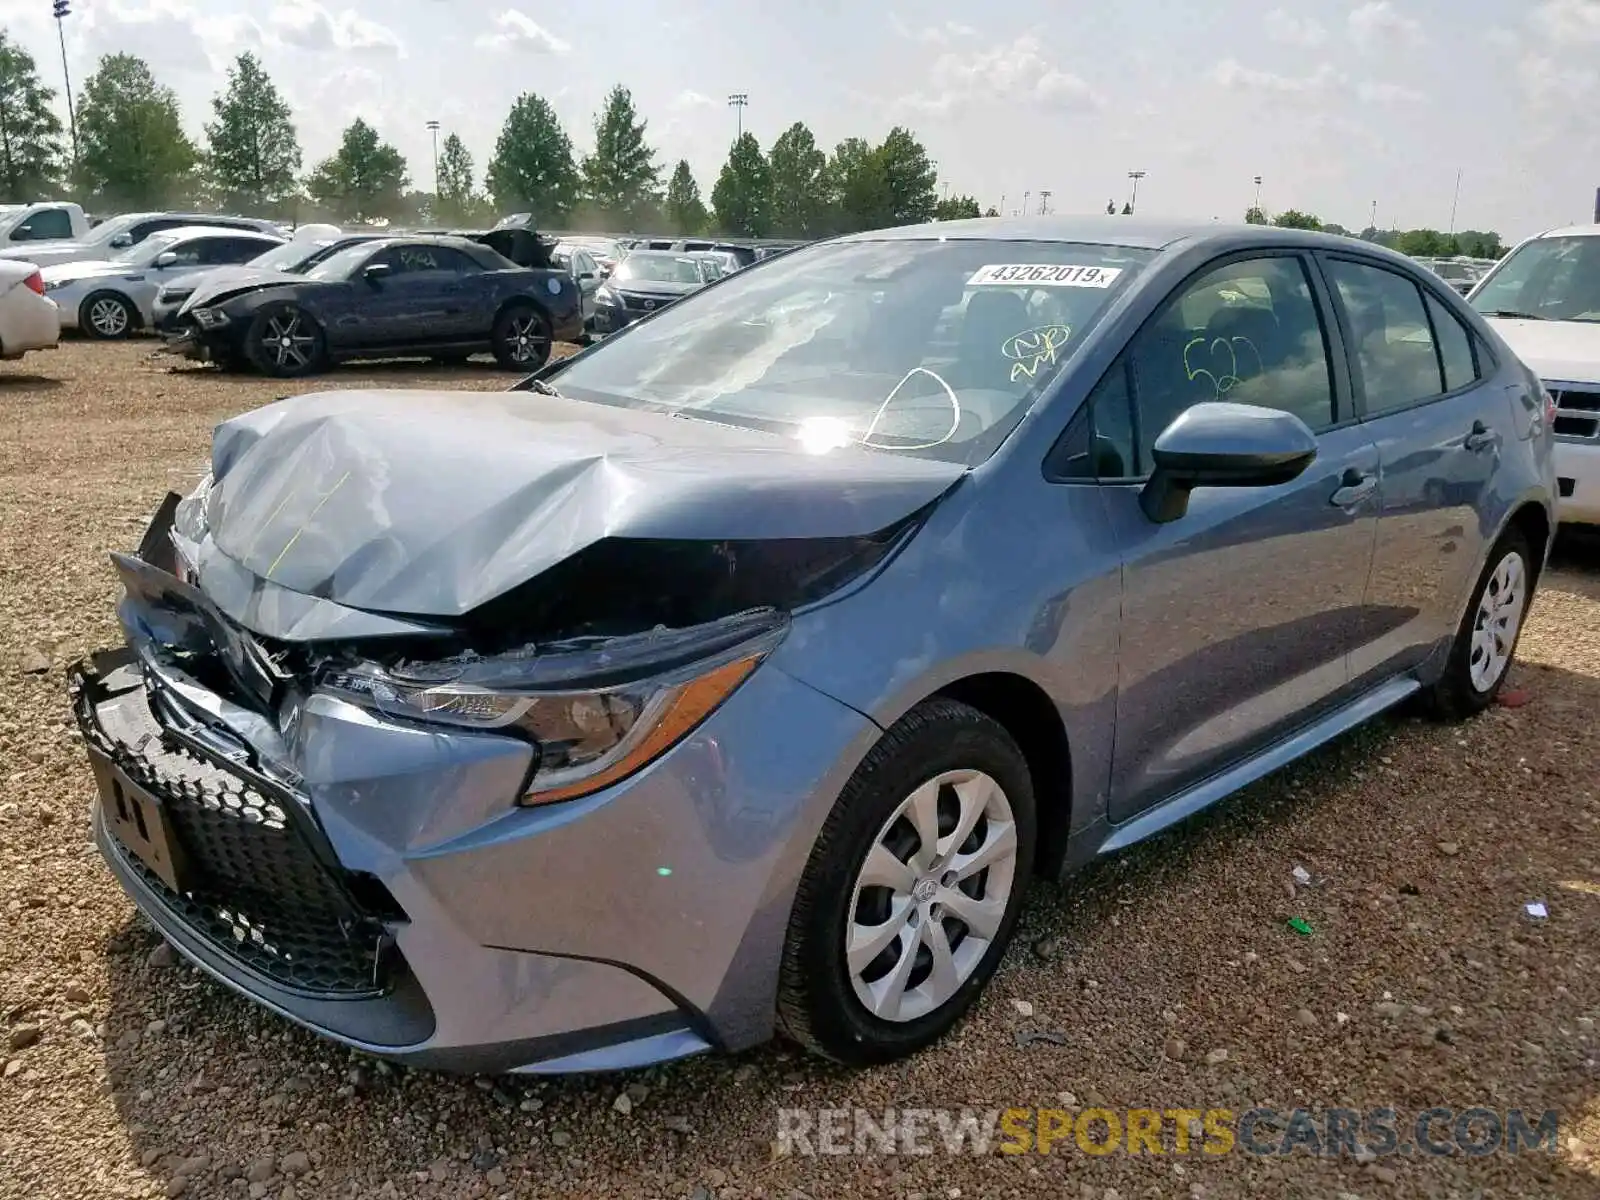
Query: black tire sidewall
{"x": 86, "y": 327}
{"x": 948, "y": 736}
{"x": 255, "y": 348}
{"x": 499, "y": 337}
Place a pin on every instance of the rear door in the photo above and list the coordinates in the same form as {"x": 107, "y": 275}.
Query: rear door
{"x": 1237, "y": 618}
{"x": 1419, "y": 376}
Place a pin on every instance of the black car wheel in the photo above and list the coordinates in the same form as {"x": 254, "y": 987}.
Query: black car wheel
{"x": 521, "y": 338}
{"x": 285, "y": 341}
{"x": 912, "y": 889}
{"x": 107, "y": 316}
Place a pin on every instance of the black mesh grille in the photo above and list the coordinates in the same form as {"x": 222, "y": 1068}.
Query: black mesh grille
{"x": 258, "y": 892}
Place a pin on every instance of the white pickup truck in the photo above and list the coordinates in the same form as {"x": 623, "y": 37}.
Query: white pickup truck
{"x": 52, "y": 221}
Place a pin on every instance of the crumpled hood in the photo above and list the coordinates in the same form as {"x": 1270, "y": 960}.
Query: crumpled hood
{"x": 432, "y": 503}
{"x": 230, "y": 281}
{"x": 1563, "y": 351}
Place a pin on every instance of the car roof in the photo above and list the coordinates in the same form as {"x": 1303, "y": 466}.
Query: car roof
{"x": 665, "y": 253}
{"x": 1571, "y": 231}
{"x": 214, "y": 231}
{"x": 1134, "y": 233}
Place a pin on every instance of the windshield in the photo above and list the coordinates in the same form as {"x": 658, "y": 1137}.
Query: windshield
{"x": 340, "y": 264}
{"x": 657, "y": 268}
{"x": 1553, "y": 279}
{"x": 106, "y": 230}
{"x": 936, "y": 348}
{"x": 142, "y": 254}
{"x": 289, "y": 257}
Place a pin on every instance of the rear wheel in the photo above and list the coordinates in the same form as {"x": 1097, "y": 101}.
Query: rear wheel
{"x": 1480, "y": 657}
{"x": 912, "y": 889}
{"x": 107, "y": 316}
{"x": 285, "y": 341}
{"x": 521, "y": 338}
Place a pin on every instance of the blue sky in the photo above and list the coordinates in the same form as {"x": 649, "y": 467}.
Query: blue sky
{"x": 1335, "y": 103}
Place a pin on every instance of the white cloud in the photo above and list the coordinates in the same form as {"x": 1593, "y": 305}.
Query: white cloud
{"x": 1569, "y": 20}
{"x": 942, "y": 34}
{"x": 308, "y": 26}
{"x": 1017, "y": 73}
{"x": 1232, "y": 74}
{"x": 1291, "y": 30}
{"x": 1374, "y": 92}
{"x": 1378, "y": 21}
{"x": 1548, "y": 84}
{"x": 689, "y": 99}
{"x": 516, "y": 30}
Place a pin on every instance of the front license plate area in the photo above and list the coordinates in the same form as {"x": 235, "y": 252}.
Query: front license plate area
{"x": 139, "y": 821}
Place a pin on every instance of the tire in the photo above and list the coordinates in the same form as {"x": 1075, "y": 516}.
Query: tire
{"x": 286, "y": 342}
{"x": 107, "y": 317}
{"x": 823, "y": 999}
{"x": 521, "y": 337}
{"x": 1479, "y": 664}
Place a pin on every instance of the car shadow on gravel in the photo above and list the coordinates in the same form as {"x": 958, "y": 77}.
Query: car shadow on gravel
{"x": 221, "y": 1098}
{"x": 12, "y": 382}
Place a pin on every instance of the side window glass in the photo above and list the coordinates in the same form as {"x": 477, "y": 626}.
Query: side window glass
{"x": 49, "y": 223}
{"x": 1391, "y": 336}
{"x": 1248, "y": 333}
{"x": 457, "y": 263}
{"x": 1098, "y": 442}
{"x": 1455, "y": 347}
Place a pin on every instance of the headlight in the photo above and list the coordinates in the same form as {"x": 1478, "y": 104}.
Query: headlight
{"x": 606, "y": 296}
{"x": 189, "y": 525}
{"x": 598, "y": 709}
{"x": 209, "y": 318}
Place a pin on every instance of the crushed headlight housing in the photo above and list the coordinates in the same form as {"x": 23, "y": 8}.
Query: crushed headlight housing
{"x": 598, "y": 709}
{"x": 189, "y": 525}
{"x": 209, "y": 318}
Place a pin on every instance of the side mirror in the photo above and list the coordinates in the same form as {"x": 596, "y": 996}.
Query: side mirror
{"x": 122, "y": 241}
{"x": 165, "y": 259}
{"x": 1219, "y": 444}
{"x": 377, "y": 273}
{"x": 23, "y": 232}
{"x": 587, "y": 275}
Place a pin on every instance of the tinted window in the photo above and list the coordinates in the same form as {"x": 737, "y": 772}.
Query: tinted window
{"x": 44, "y": 224}
{"x": 1248, "y": 333}
{"x": 447, "y": 259}
{"x": 145, "y": 228}
{"x": 407, "y": 259}
{"x": 230, "y": 251}
{"x": 1389, "y": 331}
{"x": 1455, "y": 347}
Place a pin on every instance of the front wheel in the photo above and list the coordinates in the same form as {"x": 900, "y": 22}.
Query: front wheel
{"x": 285, "y": 341}
{"x": 107, "y": 316}
{"x": 912, "y": 890}
{"x": 1481, "y": 655}
{"x": 521, "y": 337}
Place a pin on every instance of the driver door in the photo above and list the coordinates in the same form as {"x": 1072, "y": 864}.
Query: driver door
{"x": 1238, "y": 618}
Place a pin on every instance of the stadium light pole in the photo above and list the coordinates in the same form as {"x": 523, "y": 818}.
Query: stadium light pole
{"x": 1133, "y": 196}
{"x": 738, "y": 101}
{"x": 1257, "y": 204}
{"x": 433, "y": 128}
{"x": 62, "y": 10}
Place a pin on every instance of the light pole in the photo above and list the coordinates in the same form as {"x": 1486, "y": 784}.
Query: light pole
{"x": 433, "y": 128}
{"x": 63, "y": 9}
{"x": 1044, "y": 202}
{"x": 1454, "y": 203}
{"x": 738, "y": 101}
{"x": 1025, "y": 196}
{"x": 1133, "y": 196}
{"x": 1257, "y": 204}
{"x": 1372, "y": 221}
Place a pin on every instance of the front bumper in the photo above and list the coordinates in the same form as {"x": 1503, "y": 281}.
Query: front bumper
{"x": 636, "y": 925}
{"x": 613, "y": 318}
{"x": 1578, "y": 482}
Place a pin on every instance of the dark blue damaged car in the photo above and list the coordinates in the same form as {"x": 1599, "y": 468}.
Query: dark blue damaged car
{"x": 737, "y": 675}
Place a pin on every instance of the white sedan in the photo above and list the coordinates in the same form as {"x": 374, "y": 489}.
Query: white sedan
{"x": 28, "y": 319}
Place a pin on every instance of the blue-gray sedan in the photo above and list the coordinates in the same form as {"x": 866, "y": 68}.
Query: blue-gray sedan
{"x": 738, "y": 674}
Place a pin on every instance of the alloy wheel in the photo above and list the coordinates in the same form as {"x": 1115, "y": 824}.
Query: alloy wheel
{"x": 109, "y": 317}
{"x": 931, "y": 895}
{"x": 526, "y": 337}
{"x": 288, "y": 342}
{"x": 1498, "y": 620}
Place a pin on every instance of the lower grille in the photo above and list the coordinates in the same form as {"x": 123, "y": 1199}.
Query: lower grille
{"x": 258, "y": 891}
{"x": 635, "y": 301}
{"x": 1577, "y": 413}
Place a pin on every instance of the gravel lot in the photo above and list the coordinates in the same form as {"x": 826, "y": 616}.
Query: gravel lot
{"x": 1423, "y": 982}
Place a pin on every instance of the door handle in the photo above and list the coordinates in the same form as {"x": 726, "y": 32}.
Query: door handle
{"x": 1481, "y": 438}
{"x": 1354, "y": 487}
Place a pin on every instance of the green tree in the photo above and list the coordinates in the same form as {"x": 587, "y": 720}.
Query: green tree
{"x": 132, "y": 148}
{"x": 365, "y": 178}
{"x": 911, "y": 176}
{"x": 685, "y": 212}
{"x": 455, "y": 200}
{"x": 742, "y": 198}
{"x": 1426, "y": 242}
{"x": 858, "y": 188}
{"x": 1335, "y": 227}
{"x": 1480, "y": 245}
{"x": 1295, "y": 219}
{"x": 956, "y": 208}
{"x": 30, "y": 133}
{"x": 991, "y": 211}
{"x": 799, "y": 194}
{"x": 621, "y": 178}
{"x": 532, "y": 168}
{"x": 1254, "y": 216}
{"x": 252, "y": 152}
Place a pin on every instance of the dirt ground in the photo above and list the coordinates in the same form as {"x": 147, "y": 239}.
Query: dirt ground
{"x": 1423, "y": 980}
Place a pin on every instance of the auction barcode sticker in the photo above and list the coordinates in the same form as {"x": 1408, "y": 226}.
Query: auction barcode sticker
{"x": 1043, "y": 275}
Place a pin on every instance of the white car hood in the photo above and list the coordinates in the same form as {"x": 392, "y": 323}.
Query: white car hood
{"x": 1560, "y": 351}
{"x": 73, "y": 271}
{"x": 43, "y": 254}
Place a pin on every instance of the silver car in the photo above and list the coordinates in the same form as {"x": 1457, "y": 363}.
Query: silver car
{"x": 116, "y": 297}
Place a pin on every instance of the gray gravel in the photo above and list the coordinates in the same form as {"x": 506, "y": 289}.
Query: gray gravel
{"x": 1166, "y": 978}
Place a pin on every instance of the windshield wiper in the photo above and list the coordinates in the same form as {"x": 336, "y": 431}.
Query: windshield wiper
{"x": 538, "y": 385}
{"x": 1513, "y": 315}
